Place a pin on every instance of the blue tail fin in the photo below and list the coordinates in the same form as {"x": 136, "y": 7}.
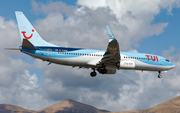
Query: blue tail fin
{"x": 27, "y": 31}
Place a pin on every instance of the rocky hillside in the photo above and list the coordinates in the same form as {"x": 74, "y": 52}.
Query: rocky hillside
{"x": 70, "y": 106}
{"x": 7, "y": 108}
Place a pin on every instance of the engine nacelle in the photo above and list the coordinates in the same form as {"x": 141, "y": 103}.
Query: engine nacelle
{"x": 127, "y": 64}
{"x": 109, "y": 71}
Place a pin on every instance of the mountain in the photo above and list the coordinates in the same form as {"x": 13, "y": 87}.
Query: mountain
{"x": 65, "y": 106}
{"x": 170, "y": 106}
{"x": 71, "y": 106}
{"x": 7, "y": 108}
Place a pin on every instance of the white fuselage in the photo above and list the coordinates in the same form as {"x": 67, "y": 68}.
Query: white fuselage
{"x": 129, "y": 61}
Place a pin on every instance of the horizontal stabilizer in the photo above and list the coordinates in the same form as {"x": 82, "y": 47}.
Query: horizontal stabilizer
{"x": 11, "y": 48}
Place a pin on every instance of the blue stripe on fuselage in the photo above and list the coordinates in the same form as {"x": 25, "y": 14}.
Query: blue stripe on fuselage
{"x": 56, "y": 49}
{"x": 61, "y": 52}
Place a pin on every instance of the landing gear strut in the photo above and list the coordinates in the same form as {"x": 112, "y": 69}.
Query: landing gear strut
{"x": 93, "y": 74}
{"x": 159, "y": 76}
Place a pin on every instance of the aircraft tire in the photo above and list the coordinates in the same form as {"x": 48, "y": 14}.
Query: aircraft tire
{"x": 93, "y": 74}
{"x": 159, "y": 76}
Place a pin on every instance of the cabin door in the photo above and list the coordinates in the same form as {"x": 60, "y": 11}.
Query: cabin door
{"x": 160, "y": 61}
{"x": 49, "y": 52}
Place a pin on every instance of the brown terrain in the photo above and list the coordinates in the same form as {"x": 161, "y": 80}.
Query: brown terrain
{"x": 170, "y": 106}
{"x": 65, "y": 106}
{"x": 7, "y": 108}
{"x": 71, "y": 106}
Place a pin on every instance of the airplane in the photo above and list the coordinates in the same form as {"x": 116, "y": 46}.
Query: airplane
{"x": 104, "y": 61}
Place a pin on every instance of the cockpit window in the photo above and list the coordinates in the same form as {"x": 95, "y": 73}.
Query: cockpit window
{"x": 167, "y": 60}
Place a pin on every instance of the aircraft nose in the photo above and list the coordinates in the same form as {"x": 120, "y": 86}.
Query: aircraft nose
{"x": 172, "y": 66}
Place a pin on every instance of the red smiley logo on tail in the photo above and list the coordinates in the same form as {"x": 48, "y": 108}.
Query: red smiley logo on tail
{"x": 23, "y": 32}
{"x": 110, "y": 35}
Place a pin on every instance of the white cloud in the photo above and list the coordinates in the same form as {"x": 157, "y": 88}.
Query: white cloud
{"x": 16, "y": 84}
{"x": 128, "y": 22}
{"x": 32, "y": 81}
{"x": 52, "y": 7}
{"x": 133, "y": 50}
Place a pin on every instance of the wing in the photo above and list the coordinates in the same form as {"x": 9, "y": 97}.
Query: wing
{"x": 111, "y": 57}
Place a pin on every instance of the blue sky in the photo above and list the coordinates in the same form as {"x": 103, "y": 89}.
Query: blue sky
{"x": 170, "y": 36}
{"x": 141, "y": 25}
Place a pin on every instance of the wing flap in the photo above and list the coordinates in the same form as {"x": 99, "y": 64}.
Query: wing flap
{"x": 93, "y": 62}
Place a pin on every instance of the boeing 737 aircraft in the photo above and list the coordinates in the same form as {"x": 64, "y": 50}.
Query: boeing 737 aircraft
{"x": 104, "y": 61}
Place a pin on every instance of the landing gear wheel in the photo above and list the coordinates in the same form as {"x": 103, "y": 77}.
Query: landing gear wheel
{"x": 93, "y": 74}
{"x": 159, "y": 76}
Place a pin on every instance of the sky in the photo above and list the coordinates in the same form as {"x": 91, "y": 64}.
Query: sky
{"x": 147, "y": 26}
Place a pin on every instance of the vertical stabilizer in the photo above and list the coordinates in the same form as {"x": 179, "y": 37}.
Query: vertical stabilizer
{"x": 28, "y": 32}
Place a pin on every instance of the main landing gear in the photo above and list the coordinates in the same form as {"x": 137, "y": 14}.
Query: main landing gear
{"x": 93, "y": 74}
{"x": 159, "y": 76}
{"x": 102, "y": 71}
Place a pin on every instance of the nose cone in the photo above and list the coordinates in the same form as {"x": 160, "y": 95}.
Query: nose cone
{"x": 171, "y": 66}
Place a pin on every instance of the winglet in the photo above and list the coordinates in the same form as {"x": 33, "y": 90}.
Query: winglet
{"x": 111, "y": 37}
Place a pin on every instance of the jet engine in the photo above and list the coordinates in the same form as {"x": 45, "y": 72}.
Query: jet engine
{"x": 107, "y": 71}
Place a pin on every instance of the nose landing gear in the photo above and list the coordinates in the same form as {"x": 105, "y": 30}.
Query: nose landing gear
{"x": 159, "y": 76}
